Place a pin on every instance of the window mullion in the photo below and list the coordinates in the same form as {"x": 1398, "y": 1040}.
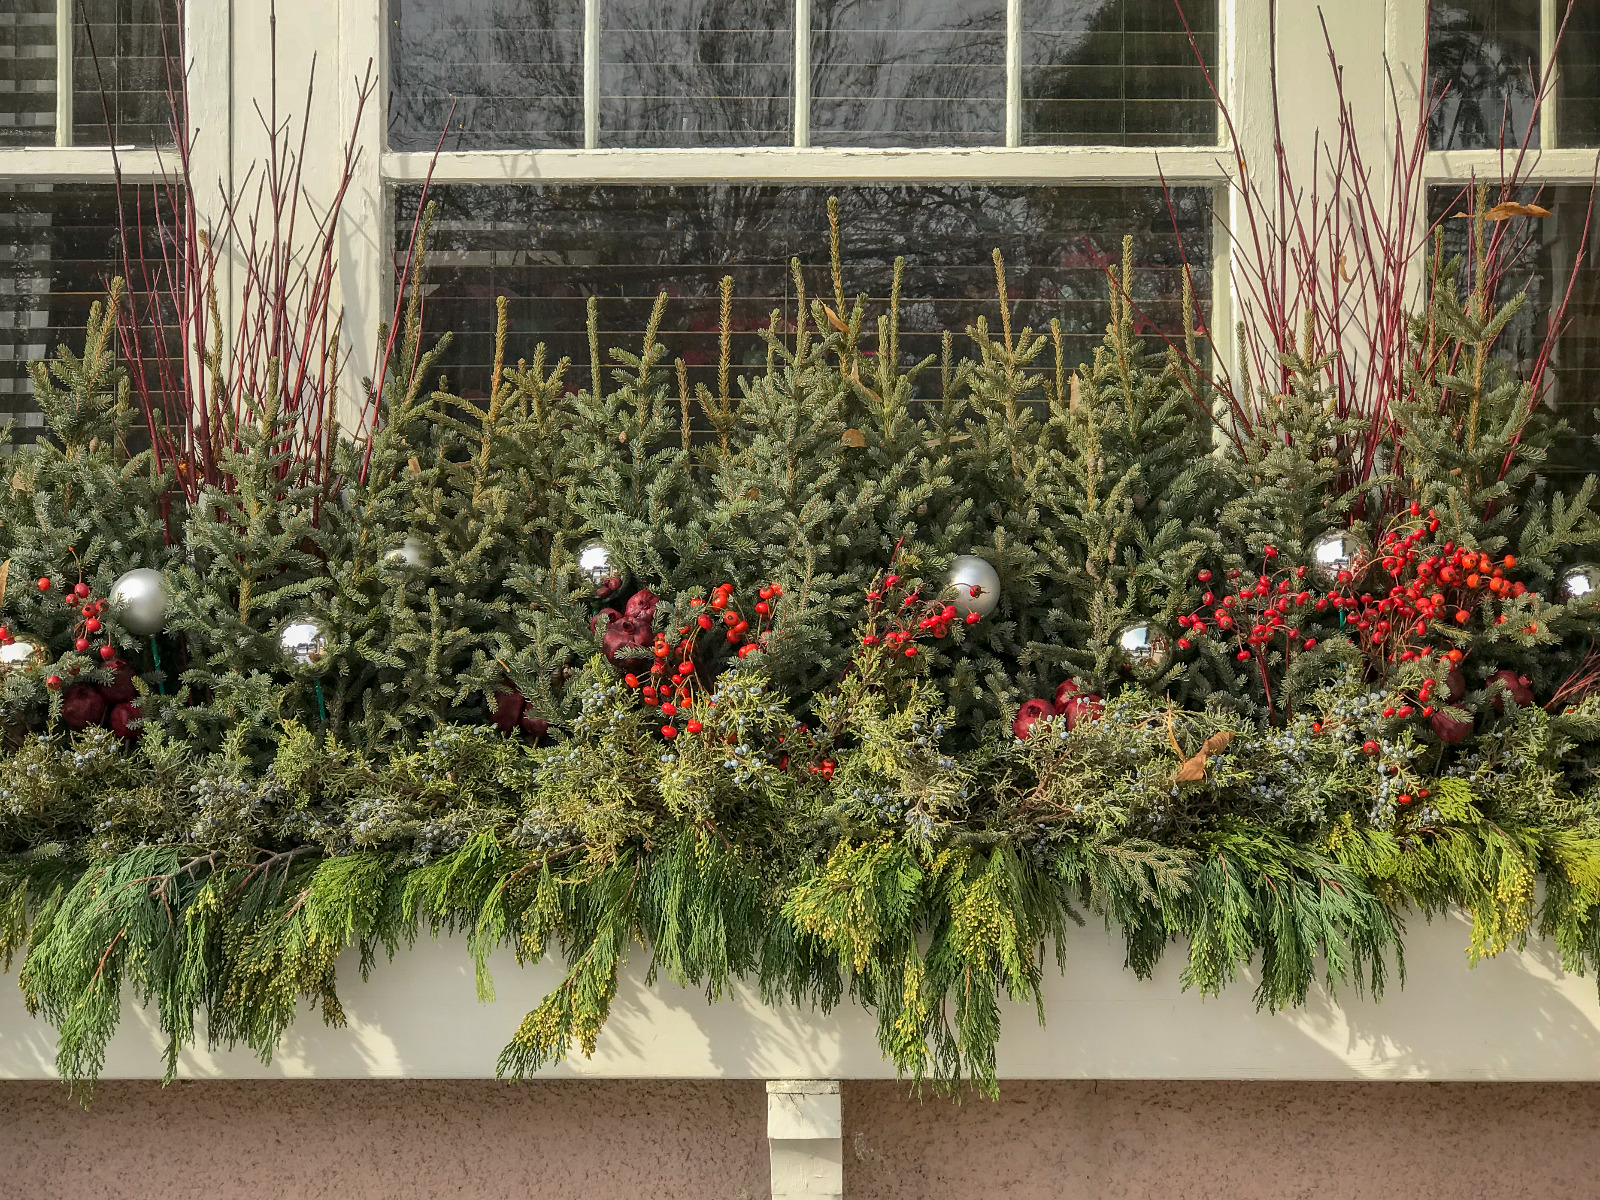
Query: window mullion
{"x": 802, "y": 74}
{"x": 64, "y": 116}
{"x": 1550, "y": 111}
{"x": 591, "y": 74}
{"x": 1013, "y": 72}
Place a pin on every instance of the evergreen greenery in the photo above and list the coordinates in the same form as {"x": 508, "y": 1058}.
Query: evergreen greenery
{"x": 836, "y": 819}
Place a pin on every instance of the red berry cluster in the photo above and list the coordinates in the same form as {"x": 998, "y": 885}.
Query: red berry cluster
{"x": 898, "y": 617}
{"x": 1257, "y": 614}
{"x": 673, "y": 694}
{"x": 85, "y": 629}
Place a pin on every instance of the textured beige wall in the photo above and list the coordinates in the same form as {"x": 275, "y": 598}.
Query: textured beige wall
{"x": 1227, "y": 1141}
{"x": 406, "y": 1140}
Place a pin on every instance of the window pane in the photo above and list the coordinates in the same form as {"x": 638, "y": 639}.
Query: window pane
{"x": 1543, "y": 269}
{"x": 548, "y": 249}
{"x": 696, "y": 72}
{"x": 1117, "y": 73}
{"x": 138, "y": 44}
{"x": 28, "y": 73}
{"x": 59, "y": 248}
{"x": 1484, "y": 56}
{"x": 504, "y": 74}
{"x": 134, "y": 41}
{"x": 908, "y": 72}
{"x": 1578, "y": 80}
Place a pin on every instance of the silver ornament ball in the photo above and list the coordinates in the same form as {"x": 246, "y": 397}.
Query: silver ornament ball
{"x": 140, "y": 601}
{"x": 601, "y": 568}
{"x": 1144, "y": 649}
{"x": 21, "y": 654}
{"x": 410, "y": 555}
{"x": 303, "y": 642}
{"x": 975, "y": 584}
{"x": 1579, "y": 582}
{"x": 1332, "y": 552}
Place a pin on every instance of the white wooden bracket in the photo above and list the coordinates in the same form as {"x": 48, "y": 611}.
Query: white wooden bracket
{"x": 804, "y": 1135}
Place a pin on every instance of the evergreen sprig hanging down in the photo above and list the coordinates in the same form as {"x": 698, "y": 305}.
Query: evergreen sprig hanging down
{"x": 861, "y": 677}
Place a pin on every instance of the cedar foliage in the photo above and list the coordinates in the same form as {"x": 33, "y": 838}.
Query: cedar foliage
{"x": 851, "y": 823}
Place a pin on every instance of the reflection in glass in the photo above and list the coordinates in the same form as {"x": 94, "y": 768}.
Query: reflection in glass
{"x": 502, "y": 74}
{"x": 59, "y": 248}
{"x": 696, "y": 72}
{"x": 1484, "y": 56}
{"x": 28, "y": 73}
{"x": 908, "y": 72}
{"x": 1578, "y": 80}
{"x": 548, "y": 249}
{"x": 1117, "y": 73}
{"x": 1543, "y": 269}
{"x": 138, "y": 44}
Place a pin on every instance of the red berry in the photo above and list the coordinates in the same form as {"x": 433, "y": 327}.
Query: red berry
{"x": 720, "y": 600}
{"x": 44, "y": 583}
{"x": 1203, "y": 576}
{"x": 1183, "y": 643}
{"x": 669, "y": 731}
{"x": 1316, "y": 727}
{"x": 631, "y": 680}
{"x": 1388, "y": 712}
{"x": 705, "y": 621}
{"x": 1270, "y": 551}
{"x": 1406, "y": 710}
{"x": 1404, "y": 797}
{"x": 870, "y": 640}
{"x": 92, "y": 625}
{"x": 81, "y": 645}
{"x": 1243, "y": 656}
{"x": 763, "y": 607}
{"x": 1369, "y": 747}
{"x": 53, "y": 683}
{"x": 911, "y": 651}
{"x": 107, "y": 651}
{"x": 973, "y": 618}
{"x": 81, "y": 590}
{"x": 694, "y": 726}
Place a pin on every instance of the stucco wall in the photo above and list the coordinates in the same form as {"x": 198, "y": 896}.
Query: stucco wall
{"x": 406, "y": 1140}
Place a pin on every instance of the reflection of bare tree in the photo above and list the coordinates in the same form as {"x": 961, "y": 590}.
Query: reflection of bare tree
{"x": 1485, "y": 52}
{"x": 918, "y": 71}
{"x": 696, "y": 72}
{"x": 548, "y": 249}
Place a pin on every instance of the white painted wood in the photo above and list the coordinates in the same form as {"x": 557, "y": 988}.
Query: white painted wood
{"x": 591, "y": 74}
{"x": 48, "y": 164}
{"x": 364, "y": 229}
{"x": 805, "y": 1139}
{"x": 64, "y": 96}
{"x": 1550, "y": 12}
{"x": 208, "y": 49}
{"x": 1551, "y": 166}
{"x": 994, "y": 164}
{"x": 802, "y": 74}
{"x": 1515, "y": 1017}
{"x": 1013, "y": 73}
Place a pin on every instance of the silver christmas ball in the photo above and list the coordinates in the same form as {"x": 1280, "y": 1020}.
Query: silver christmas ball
{"x": 1331, "y": 552}
{"x": 303, "y": 642}
{"x": 1144, "y": 649}
{"x": 975, "y": 584}
{"x": 21, "y": 654}
{"x": 1579, "y": 582}
{"x": 140, "y": 601}
{"x": 410, "y": 555}
{"x": 601, "y": 568}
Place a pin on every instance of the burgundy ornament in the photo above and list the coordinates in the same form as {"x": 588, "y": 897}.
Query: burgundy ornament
{"x": 623, "y": 631}
{"x": 120, "y": 690}
{"x": 82, "y": 707}
{"x": 1520, "y": 688}
{"x": 1075, "y": 704}
{"x": 127, "y": 722}
{"x": 508, "y": 707}
{"x": 1448, "y": 729}
{"x": 1031, "y": 711}
{"x": 533, "y": 726}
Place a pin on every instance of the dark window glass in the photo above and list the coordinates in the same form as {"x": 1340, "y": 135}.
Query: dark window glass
{"x": 696, "y": 72}
{"x": 28, "y": 73}
{"x": 125, "y": 70}
{"x": 1578, "y": 79}
{"x": 125, "y": 95}
{"x": 548, "y": 249}
{"x": 502, "y": 74}
{"x": 1549, "y": 247}
{"x": 59, "y": 249}
{"x": 908, "y": 72}
{"x": 1483, "y": 56}
{"x": 1117, "y": 72}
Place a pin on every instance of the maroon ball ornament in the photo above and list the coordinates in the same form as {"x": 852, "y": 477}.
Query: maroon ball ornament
{"x": 1518, "y": 687}
{"x": 1074, "y": 704}
{"x": 127, "y": 722}
{"x": 1450, "y": 730}
{"x": 1031, "y": 712}
{"x": 82, "y": 707}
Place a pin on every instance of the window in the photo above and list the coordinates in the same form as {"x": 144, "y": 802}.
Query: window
{"x": 89, "y": 73}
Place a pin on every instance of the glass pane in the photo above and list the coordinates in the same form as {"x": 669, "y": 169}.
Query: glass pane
{"x": 28, "y": 73}
{"x": 696, "y": 72}
{"x": 908, "y": 72}
{"x": 1117, "y": 73}
{"x": 59, "y": 248}
{"x": 1578, "y": 80}
{"x": 126, "y": 94}
{"x": 1543, "y": 269}
{"x": 548, "y": 249}
{"x": 1483, "y": 55}
{"x": 503, "y": 74}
